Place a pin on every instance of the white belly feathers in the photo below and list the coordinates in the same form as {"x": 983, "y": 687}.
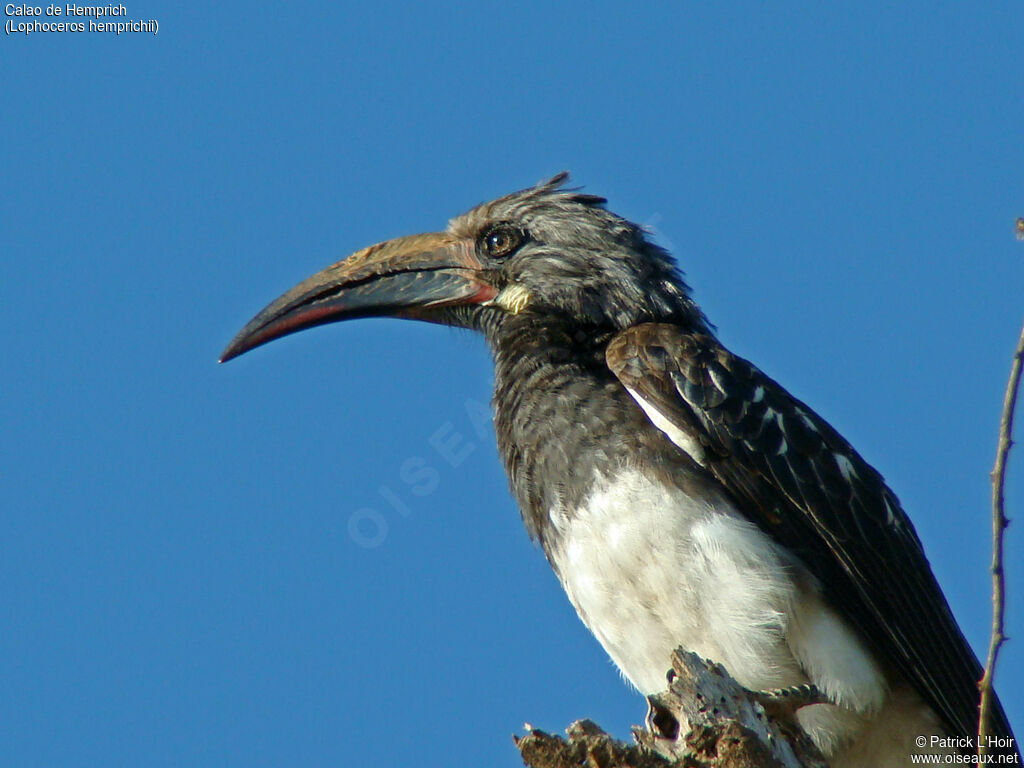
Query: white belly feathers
{"x": 649, "y": 568}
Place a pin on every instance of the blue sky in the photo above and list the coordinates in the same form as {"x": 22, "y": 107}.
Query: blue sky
{"x": 180, "y": 583}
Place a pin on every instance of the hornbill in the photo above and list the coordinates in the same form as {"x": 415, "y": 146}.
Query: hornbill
{"x": 682, "y": 497}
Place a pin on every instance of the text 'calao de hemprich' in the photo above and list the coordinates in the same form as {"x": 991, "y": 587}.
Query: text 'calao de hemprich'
{"x": 22, "y": 11}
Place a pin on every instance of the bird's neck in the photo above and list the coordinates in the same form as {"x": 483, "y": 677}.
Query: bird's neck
{"x": 553, "y": 397}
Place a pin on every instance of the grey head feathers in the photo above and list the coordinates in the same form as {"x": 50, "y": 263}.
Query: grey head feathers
{"x": 580, "y": 262}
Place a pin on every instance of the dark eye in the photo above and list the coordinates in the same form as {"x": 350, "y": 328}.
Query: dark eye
{"x": 501, "y": 240}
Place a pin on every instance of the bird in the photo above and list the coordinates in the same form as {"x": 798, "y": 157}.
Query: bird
{"x": 682, "y": 497}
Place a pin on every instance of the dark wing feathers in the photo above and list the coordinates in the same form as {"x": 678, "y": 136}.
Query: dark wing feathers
{"x": 803, "y": 484}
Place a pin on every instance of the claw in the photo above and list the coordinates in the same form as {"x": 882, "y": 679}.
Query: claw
{"x": 786, "y": 701}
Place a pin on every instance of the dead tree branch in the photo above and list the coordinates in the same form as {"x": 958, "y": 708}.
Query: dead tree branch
{"x": 705, "y": 719}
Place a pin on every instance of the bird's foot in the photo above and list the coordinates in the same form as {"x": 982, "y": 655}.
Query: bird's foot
{"x": 786, "y": 701}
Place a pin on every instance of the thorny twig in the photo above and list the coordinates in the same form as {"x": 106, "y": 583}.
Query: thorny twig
{"x": 999, "y": 523}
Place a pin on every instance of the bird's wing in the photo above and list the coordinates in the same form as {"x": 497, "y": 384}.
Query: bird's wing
{"x": 804, "y": 485}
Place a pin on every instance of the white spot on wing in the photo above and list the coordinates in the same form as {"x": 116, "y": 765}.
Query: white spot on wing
{"x": 808, "y": 422}
{"x": 890, "y": 513}
{"x": 675, "y": 434}
{"x": 845, "y": 466}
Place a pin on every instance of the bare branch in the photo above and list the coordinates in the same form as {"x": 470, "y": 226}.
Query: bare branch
{"x": 999, "y": 523}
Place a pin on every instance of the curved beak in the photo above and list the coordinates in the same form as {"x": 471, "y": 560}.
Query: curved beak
{"x": 396, "y": 277}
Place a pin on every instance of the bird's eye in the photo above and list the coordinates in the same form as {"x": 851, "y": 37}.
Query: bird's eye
{"x": 501, "y": 240}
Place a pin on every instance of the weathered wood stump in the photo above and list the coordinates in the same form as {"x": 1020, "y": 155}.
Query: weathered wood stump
{"x": 704, "y": 719}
